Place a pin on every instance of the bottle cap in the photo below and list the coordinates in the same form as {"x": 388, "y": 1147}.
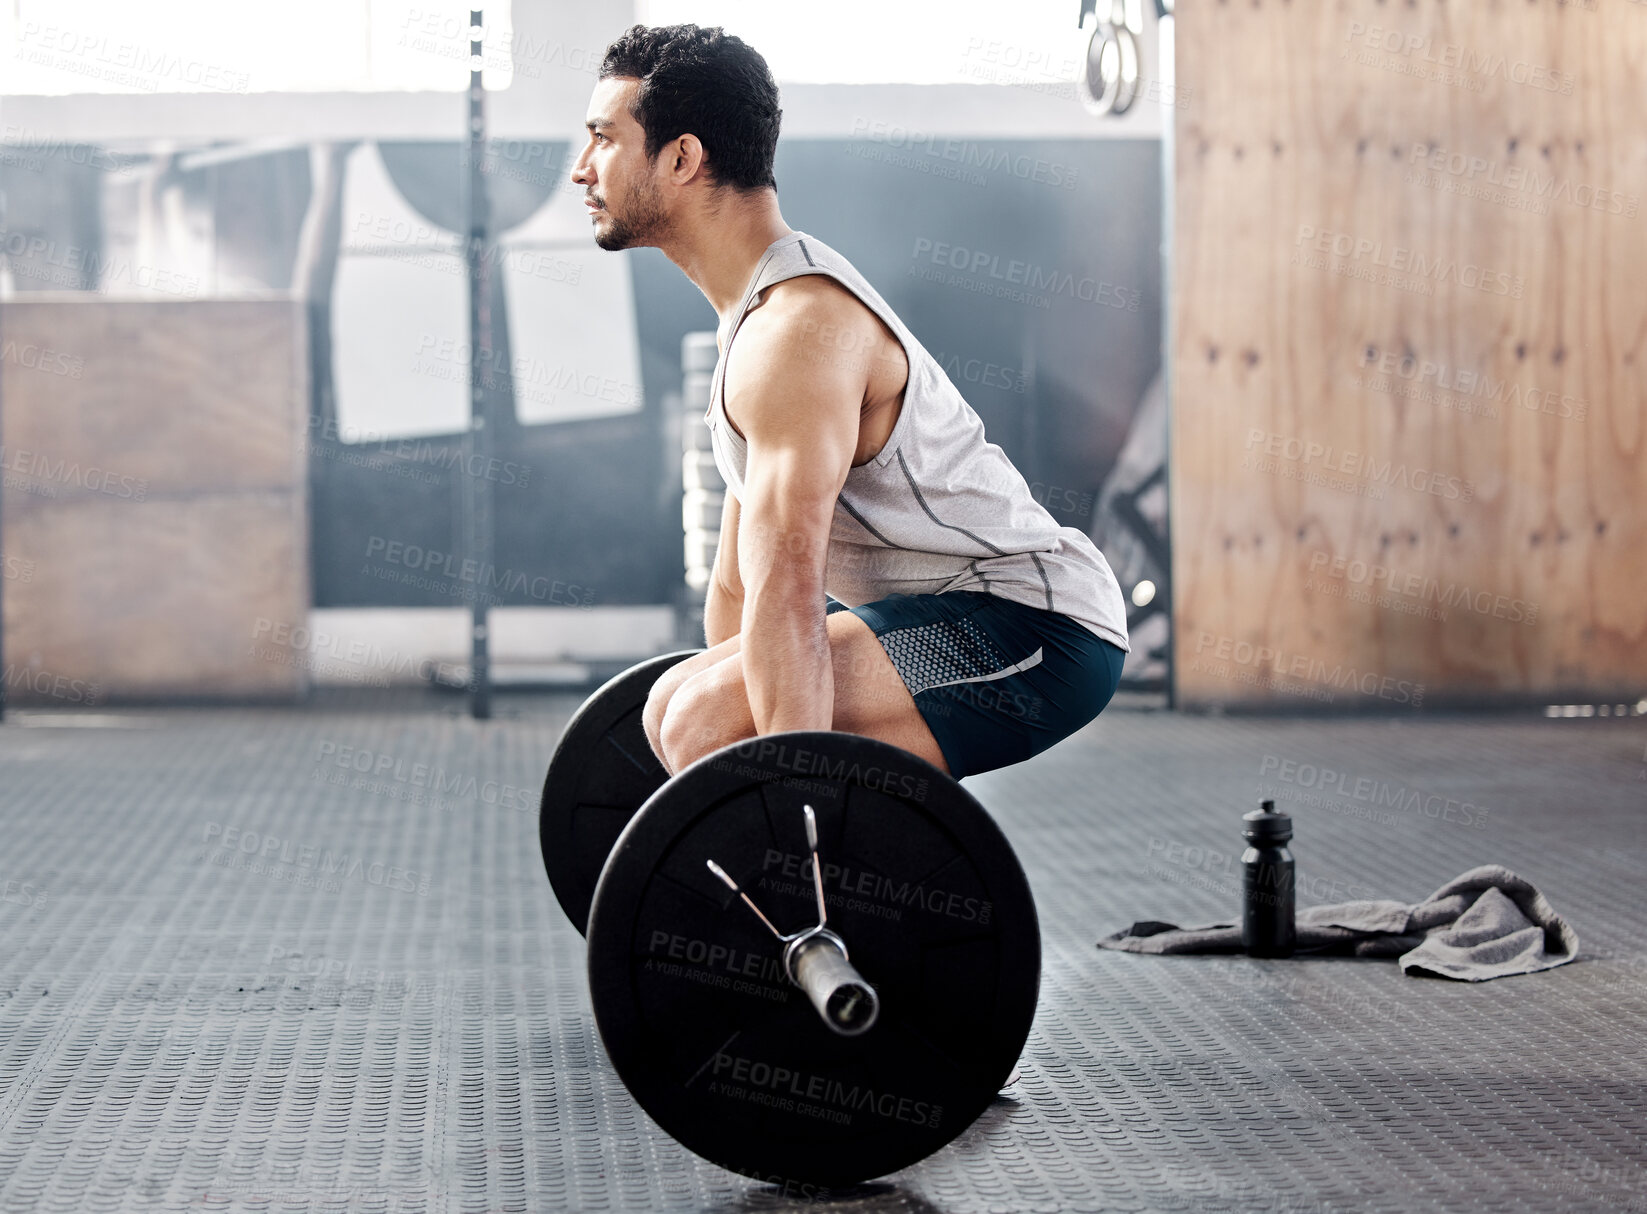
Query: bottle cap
{"x": 1264, "y": 825}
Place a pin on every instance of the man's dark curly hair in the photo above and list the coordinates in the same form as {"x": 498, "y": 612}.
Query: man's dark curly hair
{"x": 703, "y": 82}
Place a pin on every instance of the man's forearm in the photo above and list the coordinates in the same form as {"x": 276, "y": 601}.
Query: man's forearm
{"x": 722, "y": 613}
{"x": 787, "y": 669}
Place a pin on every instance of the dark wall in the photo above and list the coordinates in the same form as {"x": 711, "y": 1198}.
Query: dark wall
{"x": 947, "y": 232}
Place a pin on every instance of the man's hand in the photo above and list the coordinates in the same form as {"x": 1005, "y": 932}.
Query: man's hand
{"x": 798, "y": 403}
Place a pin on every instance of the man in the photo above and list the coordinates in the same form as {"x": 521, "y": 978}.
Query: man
{"x": 966, "y": 626}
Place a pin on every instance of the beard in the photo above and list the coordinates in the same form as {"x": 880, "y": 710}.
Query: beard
{"x": 641, "y": 222}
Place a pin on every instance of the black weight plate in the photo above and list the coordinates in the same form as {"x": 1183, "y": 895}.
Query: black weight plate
{"x": 601, "y": 773}
{"x": 688, "y": 986}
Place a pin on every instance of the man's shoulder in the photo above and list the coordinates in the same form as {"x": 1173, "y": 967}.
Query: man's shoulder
{"x": 802, "y": 306}
{"x": 812, "y": 324}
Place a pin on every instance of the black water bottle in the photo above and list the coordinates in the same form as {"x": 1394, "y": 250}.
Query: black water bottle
{"x": 1267, "y": 926}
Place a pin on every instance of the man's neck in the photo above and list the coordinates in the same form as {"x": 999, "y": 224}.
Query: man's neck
{"x": 722, "y": 253}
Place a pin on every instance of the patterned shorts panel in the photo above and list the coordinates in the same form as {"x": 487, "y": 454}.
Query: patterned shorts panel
{"x": 996, "y": 681}
{"x": 952, "y": 651}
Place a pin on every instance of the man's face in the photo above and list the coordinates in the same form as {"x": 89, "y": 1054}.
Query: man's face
{"x": 621, "y": 195}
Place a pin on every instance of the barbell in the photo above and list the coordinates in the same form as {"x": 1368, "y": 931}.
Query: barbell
{"x": 813, "y": 957}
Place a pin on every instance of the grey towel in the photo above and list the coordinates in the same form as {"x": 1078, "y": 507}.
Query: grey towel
{"x": 1486, "y": 923}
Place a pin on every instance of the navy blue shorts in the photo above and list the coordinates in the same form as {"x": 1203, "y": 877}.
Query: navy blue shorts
{"x": 995, "y": 681}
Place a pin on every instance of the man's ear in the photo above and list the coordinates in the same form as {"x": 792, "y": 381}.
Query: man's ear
{"x": 688, "y": 158}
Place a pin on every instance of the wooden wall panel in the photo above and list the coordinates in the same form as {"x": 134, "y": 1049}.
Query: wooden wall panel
{"x": 192, "y": 397}
{"x": 160, "y": 598}
{"x": 1409, "y": 300}
{"x": 155, "y": 498}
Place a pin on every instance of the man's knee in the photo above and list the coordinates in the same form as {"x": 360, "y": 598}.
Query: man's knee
{"x": 696, "y": 720}
{"x": 663, "y": 691}
{"x": 652, "y": 715}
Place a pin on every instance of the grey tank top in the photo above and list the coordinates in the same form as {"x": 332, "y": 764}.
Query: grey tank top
{"x": 940, "y": 508}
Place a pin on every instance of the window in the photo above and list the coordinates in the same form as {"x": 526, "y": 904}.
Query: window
{"x": 208, "y": 46}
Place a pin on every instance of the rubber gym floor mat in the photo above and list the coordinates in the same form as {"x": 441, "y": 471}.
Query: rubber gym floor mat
{"x": 303, "y": 961}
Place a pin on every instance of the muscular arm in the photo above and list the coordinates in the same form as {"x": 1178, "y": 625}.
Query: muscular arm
{"x": 800, "y": 416}
{"x": 723, "y": 603}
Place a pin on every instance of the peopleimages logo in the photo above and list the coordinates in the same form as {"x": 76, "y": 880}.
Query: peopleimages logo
{"x": 1399, "y": 259}
{"x": 1268, "y": 664}
{"x": 967, "y": 153}
{"x": 72, "y": 267}
{"x": 877, "y": 887}
{"x": 392, "y": 775}
{"x": 431, "y": 568}
{"x": 42, "y": 468}
{"x": 780, "y": 757}
{"x": 823, "y": 1089}
{"x": 1463, "y": 173}
{"x": 14, "y": 138}
{"x": 21, "y": 893}
{"x": 983, "y": 373}
{"x": 1386, "y": 586}
{"x": 42, "y": 358}
{"x": 1265, "y": 445}
{"x": 1373, "y": 793}
{"x": 524, "y": 371}
{"x": 440, "y": 31}
{"x": 17, "y": 569}
{"x": 45, "y": 683}
{"x": 96, "y": 56}
{"x": 1474, "y": 384}
{"x": 1026, "y": 274}
{"x": 1447, "y": 56}
{"x": 268, "y": 855}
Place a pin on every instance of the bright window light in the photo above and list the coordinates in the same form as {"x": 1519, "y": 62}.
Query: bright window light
{"x": 908, "y": 42}
{"x": 206, "y": 46}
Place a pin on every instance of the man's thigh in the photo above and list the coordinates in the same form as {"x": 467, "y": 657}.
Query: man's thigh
{"x": 996, "y": 682}
{"x": 871, "y": 697}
